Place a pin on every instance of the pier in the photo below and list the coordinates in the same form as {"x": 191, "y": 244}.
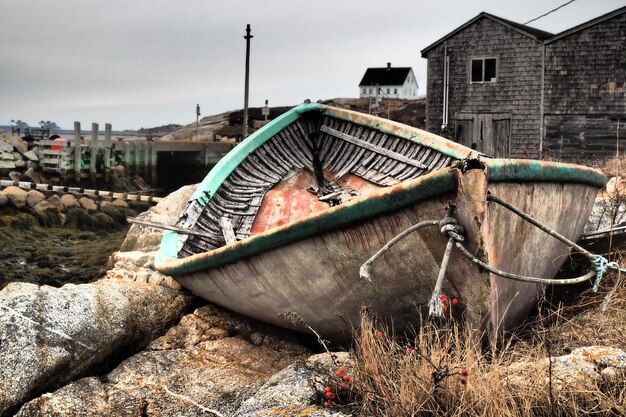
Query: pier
{"x": 160, "y": 163}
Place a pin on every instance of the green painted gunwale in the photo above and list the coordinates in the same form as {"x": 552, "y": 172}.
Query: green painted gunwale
{"x": 359, "y": 209}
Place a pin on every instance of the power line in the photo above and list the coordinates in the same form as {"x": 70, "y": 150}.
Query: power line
{"x": 551, "y": 11}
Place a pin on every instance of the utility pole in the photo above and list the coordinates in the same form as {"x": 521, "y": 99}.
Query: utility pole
{"x": 197, "y": 119}
{"x": 266, "y": 110}
{"x": 245, "y": 101}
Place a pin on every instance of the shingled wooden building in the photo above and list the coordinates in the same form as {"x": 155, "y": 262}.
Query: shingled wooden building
{"x": 510, "y": 90}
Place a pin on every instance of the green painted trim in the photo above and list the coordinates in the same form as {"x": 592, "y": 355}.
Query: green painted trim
{"x": 523, "y": 170}
{"x": 211, "y": 183}
{"x": 389, "y": 199}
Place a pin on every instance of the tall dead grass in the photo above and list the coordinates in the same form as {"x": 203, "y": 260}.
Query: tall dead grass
{"x": 424, "y": 376}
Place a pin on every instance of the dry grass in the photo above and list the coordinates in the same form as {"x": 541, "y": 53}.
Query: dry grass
{"x": 422, "y": 377}
{"x": 514, "y": 380}
{"x": 614, "y": 167}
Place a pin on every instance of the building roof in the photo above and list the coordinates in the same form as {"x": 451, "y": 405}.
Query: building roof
{"x": 537, "y": 34}
{"x": 587, "y": 24}
{"x": 385, "y": 76}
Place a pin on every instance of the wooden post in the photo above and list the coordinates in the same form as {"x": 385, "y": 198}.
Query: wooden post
{"x": 107, "y": 152}
{"x": 127, "y": 160}
{"x": 147, "y": 148}
{"x": 137, "y": 154}
{"x": 205, "y": 155}
{"x": 77, "y": 151}
{"x": 93, "y": 152}
{"x": 153, "y": 166}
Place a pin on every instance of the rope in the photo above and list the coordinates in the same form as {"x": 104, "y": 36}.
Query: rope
{"x": 516, "y": 277}
{"x": 609, "y": 296}
{"x": 364, "y": 271}
{"x": 435, "y": 305}
{"x": 599, "y": 263}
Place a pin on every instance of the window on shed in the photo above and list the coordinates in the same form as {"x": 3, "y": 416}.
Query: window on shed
{"x": 387, "y": 91}
{"x": 483, "y": 70}
{"x": 395, "y": 91}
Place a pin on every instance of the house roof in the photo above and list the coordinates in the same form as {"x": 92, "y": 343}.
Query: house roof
{"x": 385, "y": 76}
{"x": 587, "y": 24}
{"x": 537, "y": 34}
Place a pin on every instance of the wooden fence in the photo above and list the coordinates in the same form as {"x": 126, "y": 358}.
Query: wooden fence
{"x": 95, "y": 160}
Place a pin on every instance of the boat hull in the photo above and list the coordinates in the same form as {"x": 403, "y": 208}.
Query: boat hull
{"x": 317, "y": 277}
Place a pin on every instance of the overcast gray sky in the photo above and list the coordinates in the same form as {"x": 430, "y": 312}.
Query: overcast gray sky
{"x": 145, "y": 63}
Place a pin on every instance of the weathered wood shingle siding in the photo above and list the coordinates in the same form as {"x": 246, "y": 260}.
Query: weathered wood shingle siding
{"x": 517, "y": 90}
{"x": 585, "y": 96}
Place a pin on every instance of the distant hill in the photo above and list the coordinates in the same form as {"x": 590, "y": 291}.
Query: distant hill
{"x": 229, "y": 125}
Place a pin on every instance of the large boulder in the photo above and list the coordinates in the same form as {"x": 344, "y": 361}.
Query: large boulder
{"x": 148, "y": 239}
{"x": 32, "y": 176}
{"x": 16, "y": 196}
{"x": 18, "y": 143}
{"x": 55, "y": 200}
{"x": 88, "y": 204}
{"x": 31, "y": 156}
{"x": 5, "y": 146}
{"x": 207, "y": 365}
{"x": 50, "y": 336}
{"x": 34, "y": 197}
{"x": 6, "y": 164}
{"x": 69, "y": 201}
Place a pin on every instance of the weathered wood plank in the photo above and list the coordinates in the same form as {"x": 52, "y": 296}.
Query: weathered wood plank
{"x": 377, "y": 149}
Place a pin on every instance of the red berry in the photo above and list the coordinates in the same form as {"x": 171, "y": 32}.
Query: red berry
{"x": 463, "y": 380}
{"x": 346, "y": 378}
{"x": 344, "y": 385}
{"x": 465, "y": 372}
{"x": 342, "y": 369}
{"x": 329, "y": 394}
{"x": 327, "y": 389}
{"x": 409, "y": 350}
{"x": 454, "y": 301}
{"x": 326, "y": 404}
{"x": 339, "y": 373}
{"x": 444, "y": 307}
{"x": 443, "y": 297}
{"x": 379, "y": 334}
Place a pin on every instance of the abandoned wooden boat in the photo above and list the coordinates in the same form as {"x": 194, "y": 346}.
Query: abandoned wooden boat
{"x": 282, "y": 224}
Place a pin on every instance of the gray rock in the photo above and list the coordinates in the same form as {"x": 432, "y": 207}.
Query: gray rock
{"x": 19, "y": 163}
{"x": 4, "y": 164}
{"x": 16, "y": 196}
{"x": 69, "y": 201}
{"x": 119, "y": 203}
{"x": 148, "y": 239}
{"x": 17, "y": 156}
{"x": 198, "y": 368}
{"x": 15, "y": 176}
{"x": 43, "y": 206}
{"x": 18, "y": 143}
{"x": 88, "y": 204}
{"x": 5, "y": 147}
{"x": 32, "y": 176}
{"x": 55, "y": 200}
{"x": 52, "y": 335}
{"x": 31, "y": 156}
{"x": 34, "y": 197}
{"x": 296, "y": 390}
{"x": 7, "y": 156}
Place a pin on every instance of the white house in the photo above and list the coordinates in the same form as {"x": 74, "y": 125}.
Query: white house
{"x": 389, "y": 82}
